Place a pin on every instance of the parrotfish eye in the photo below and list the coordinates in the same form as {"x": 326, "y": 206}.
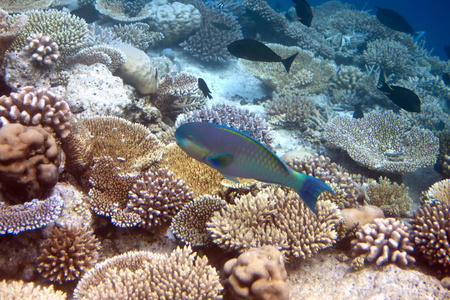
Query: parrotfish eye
{"x": 189, "y": 137}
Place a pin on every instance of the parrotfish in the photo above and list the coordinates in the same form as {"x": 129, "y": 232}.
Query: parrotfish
{"x": 235, "y": 154}
{"x": 393, "y": 20}
{"x": 304, "y": 12}
{"x": 402, "y": 97}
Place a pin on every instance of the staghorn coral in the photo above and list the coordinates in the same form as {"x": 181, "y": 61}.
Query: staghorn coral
{"x": 32, "y": 107}
{"x": 30, "y": 215}
{"x": 258, "y": 273}
{"x": 308, "y": 74}
{"x": 30, "y": 162}
{"x": 67, "y": 253}
{"x": 28, "y": 290}
{"x": 157, "y": 197}
{"x": 110, "y": 56}
{"x": 118, "y": 11}
{"x": 43, "y": 50}
{"x": 392, "y": 198}
{"x": 136, "y": 34}
{"x": 147, "y": 275}
{"x": 231, "y": 116}
{"x": 439, "y": 192}
{"x": 189, "y": 225}
{"x": 383, "y": 241}
{"x": 274, "y": 217}
{"x": 384, "y": 142}
{"x": 429, "y": 232}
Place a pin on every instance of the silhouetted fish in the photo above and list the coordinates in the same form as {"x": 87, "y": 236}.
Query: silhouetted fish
{"x": 447, "y": 50}
{"x": 393, "y": 20}
{"x": 256, "y": 51}
{"x": 402, "y": 97}
{"x": 304, "y": 12}
{"x": 204, "y": 88}
{"x": 446, "y": 78}
{"x": 358, "y": 114}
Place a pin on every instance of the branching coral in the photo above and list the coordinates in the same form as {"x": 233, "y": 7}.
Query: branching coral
{"x": 30, "y": 215}
{"x": 383, "y": 241}
{"x": 136, "y": 34}
{"x": 274, "y": 217}
{"x": 430, "y": 234}
{"x": 158, "y": 197}
{"x": 110, "y": 56}
{"x": 392, "y": 198}
{"x": 384, "y": 142}
{"x": 28, "y": 290}
{"x": 439, "y": 192}
{"x": 258, "y": 273}
{"x": 67, "y": 253}
{"x": 43, "y": 50}
{"x": 147, "y": 275}
{"x": 189, "y": 225}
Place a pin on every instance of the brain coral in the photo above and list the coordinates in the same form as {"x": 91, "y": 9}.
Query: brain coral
{"x": 147, "y": 275}
{"x": 274, "y": 217}
{"x": 67, "y": 253}
{"x": 384, "y": 240}
{"x": 384, "y": 142}
{"x": 258, "y": 273}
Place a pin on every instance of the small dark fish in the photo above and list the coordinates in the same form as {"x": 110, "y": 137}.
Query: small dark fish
{"x": 447, "y": 50}
{"x": 256, "y": 51}
{"x": 393, "y": 20}
{"x": 402, "y": 97}
{"x": 221, "y": 26}
{"x": 446, "y": 78}
{"x": 204, "y": 88}
{"x": 358, "y": 114}
{"x": 304, "y": 12}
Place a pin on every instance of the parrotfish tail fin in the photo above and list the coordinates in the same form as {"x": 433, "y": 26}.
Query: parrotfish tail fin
{"x": 287, "y": 62}
{"x": 309, "y": 189}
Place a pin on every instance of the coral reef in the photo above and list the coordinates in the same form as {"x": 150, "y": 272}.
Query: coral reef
{"x": 28, "y": 290}
{"x": 275, "y": 217}
{"x": 258, "y": 273}
{"x": 308, "y": 74}
{"x": 9, "y": 31}
{"x": 384, "y": 142}
{"x": 30, "y": 162}
{"x": 392, "y": 198}
{"x": 361, "y": 215}
{"x": 430, "y": 234}
{"x": 189, "y": 225}
{"x": 43, "y": 50}
{"x": 439, "y": 192}
{"x": 24, "y": 5}
{"x": 147, "y": 275}
{"x": 157, "y": 197}
{"x": 136, "y": 34}
{"x": 231, "y": 116}
{"x": 30, "y": 215}
{"x": 118, "y": 11}
{"x": 110, "y": 56}
{"x": 32, "y": 107}
{"x": 384, "y": 241}
{"x": 67, "y": 253}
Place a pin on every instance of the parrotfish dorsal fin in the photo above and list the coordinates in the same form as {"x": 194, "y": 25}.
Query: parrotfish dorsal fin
{"x": 221, "y": 160}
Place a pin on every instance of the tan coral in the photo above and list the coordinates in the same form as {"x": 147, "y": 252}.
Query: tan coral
{"x": 274, "y": 217}
{"x": 18, "y": 6}
{"x": 28, "y": 290}
{"x": 67, "y": 253}
{"x": 189, "y": 225}
{"x": 43, "y": 50}
{"x": 147, "y": 275}
{"x": 361, "y": 215}
{"x": 116, "y": 11}
{"x": 110, "y": 56}
{"x": 258, "y": 273}
{"x": 9, "y": 31}
{"x": 439, "y": 192}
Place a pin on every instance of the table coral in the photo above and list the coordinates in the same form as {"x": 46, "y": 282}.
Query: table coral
{"x": 384, "y": 142}
{"x": 18, "y": 6}
{"x": 116, "y": 10}
{"x": 147, "y": 275}
{"x": 258, "y": 273}
{"x": 136, "y": 34}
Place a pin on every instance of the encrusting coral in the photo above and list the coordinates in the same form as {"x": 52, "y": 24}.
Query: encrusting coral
{"x": 384, "y": 241}
{"x": 439, "y": 192}
{"x": 258, "y": 273}
{"x": 67, "y": 253}
{"x": 189, "y": 225}
{"x": 384, "y": 142}
{"x": 10, "y": 290}
{"x": 147, "y": 275}
{"x": 392, "y": 198}
{"x": 43, "y": 50}
{"x": 275, "y": 217}
{"x": 430, "y": 234}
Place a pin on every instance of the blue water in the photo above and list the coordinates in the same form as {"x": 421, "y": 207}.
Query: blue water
{"x": 432, "y": 16}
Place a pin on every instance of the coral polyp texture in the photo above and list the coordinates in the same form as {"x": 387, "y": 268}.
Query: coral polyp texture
{"x": 9, "y": 31}
{"x": 278, "y": 218}
{"x": 36, "y": 106}
{"x": 43, "y": 50}
{"x": 24, "y": 5}
{"x": 28, "y": 290}
{"x": 117, "y": 10}
{"x": 258, "y": 273}
{"x": 439, "y": 192}
{"x": 384, "y": 241}
{"x": 30, "y": 162}
{"x": 430, "y": 234}
{"x": 147, "y": 275}
{"x": 67, "y": 253}
{"x": 384, "y": 142}
{"x": 30, "y": 215}
{"x": 110, "y": 56}
{"x": 189, "y": 225}
{"x": 157, "y": 197}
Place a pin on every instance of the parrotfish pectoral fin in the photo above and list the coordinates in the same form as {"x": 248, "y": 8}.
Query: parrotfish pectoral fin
{"x": 287, "y": 62}
{"x": 221, "y": 160}
{"x": 309, "y": 189}
{"x": 231, "y": 178}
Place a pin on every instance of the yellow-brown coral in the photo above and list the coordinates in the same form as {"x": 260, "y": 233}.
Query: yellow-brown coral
{"x": 439, "y": 192}
{"x": 28, "y": 290}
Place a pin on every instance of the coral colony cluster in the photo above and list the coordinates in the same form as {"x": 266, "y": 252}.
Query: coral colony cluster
{"x": 97, "y": 201}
